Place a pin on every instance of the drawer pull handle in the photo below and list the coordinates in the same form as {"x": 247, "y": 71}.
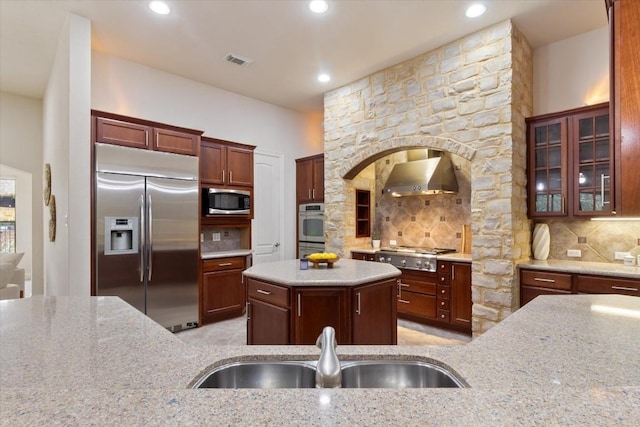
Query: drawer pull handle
{"x": 442, "y": 303}
{"x": 404, "y": 285}
{"x": 260, "y": 291}
{"x": 623, "y": 288}
{"x": 299, "y": 306}
{"x": 404, "y": 301}
{"x": 442, "y": 316}
{"x": 358, "y": 305}
{"x": 538, "y": 279}
{"x": 443, "y": 291}
{"x": 224, "y": 264}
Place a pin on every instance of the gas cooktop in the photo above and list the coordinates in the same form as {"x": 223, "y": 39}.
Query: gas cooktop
{"x": 412, "y": 258}
{"x": 417, "y": 250}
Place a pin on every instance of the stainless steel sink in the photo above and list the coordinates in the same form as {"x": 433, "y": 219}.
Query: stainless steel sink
{"x": 396, "y": 374}
{"x": 355, "y": 374}
{"x": 261, "y": 374}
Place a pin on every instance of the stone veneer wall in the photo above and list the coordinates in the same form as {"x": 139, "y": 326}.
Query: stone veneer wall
{"x": 470, "y": 98}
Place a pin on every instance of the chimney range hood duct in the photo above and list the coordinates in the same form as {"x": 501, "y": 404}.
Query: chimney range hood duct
{"x": 434, "y": 174}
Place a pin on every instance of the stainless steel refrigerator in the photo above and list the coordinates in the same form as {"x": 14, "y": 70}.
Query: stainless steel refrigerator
{"x": 146, "y": 232}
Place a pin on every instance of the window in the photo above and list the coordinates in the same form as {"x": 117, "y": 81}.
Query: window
{"x": 7, "y": 215}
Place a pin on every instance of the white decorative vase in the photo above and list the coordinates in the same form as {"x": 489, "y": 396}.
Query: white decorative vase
{"x": 541, "y": 241}
{"x": 375, "y": 244}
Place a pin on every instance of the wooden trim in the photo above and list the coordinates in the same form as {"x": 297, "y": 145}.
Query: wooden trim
{"x": 227, "y": 143}
{"x": 143, "y": 122}
{"x": 567, "y": 112}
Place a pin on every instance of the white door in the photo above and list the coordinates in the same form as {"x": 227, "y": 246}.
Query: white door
{"x": 267, "y": 209}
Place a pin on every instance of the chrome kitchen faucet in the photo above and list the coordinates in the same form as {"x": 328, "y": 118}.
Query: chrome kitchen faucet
{"x": 328, "y": 373}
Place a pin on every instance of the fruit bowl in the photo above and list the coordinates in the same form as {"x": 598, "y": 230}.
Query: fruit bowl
{"x": 323, "y": 258}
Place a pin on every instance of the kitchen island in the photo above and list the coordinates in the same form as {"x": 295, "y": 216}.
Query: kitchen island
{"x": 561, "y": 360}
{"x": 290, "y": 305}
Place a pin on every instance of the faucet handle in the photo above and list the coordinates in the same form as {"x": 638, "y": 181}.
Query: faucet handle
{"x": 328, "y": 334}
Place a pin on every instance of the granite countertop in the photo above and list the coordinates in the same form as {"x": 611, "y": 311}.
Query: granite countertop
{"x": 583, "y": 267}
{"x": 225, "y": 254}
{"x": 559, "y": 360}
{"x": 345, "y": 272}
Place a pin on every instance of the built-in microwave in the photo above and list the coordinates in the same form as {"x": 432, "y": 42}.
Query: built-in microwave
{"x": 224, "y": 201}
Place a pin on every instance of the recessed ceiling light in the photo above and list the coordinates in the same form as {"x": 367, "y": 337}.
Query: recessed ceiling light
{"x": 159, "y": 7}
{"x": 475, "y": 10}
{"x": 318, "y": 6}
{"x": 324, "y": 77}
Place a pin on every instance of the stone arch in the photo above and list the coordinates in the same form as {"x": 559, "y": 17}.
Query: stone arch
{"x": 363, "y": 158}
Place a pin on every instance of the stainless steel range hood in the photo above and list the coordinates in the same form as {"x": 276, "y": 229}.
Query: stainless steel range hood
{"x": 431, "y": 175}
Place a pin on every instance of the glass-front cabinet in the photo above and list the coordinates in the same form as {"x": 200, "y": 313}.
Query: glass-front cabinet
{"x": 593, "y": 166}
{"x": 570, "y": 164}
{"x": 548, "y": 160}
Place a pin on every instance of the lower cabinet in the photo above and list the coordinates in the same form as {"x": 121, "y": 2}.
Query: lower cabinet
{"x": 538, "y": 282}
{"x": 364, "y": 314}
{"x": 268, "y": 313}
{"x": 375, "y": 314}
{"x": 441, "y": 298}
{"x": 461, "y": 303}
{"x": 316, "y": 308}
{"x": 223, "y": 292}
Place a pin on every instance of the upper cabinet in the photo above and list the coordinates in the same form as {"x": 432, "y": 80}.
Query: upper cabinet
{"x": 136, "y": 133}
{"x": 310, "y": 179}
{"x": 624, "y": 16}
{"x": 225, "y": 163}
{"x": 570, "y": 164}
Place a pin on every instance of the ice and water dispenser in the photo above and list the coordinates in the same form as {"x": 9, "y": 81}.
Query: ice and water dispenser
{"x": 120, "y": 235}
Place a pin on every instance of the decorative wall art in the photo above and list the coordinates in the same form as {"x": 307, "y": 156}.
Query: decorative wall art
{"x": 50, "y": 200}
{"x": 52, "y": 218}
{"x": 47, "y": 183}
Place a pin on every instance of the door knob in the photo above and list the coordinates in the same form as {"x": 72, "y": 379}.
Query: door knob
{"x": 276, "y": 244}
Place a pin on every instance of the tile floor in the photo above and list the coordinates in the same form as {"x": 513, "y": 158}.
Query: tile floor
{"x": 233, "y": 332}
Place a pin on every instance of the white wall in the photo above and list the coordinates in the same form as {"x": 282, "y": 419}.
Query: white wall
{"x": 127, "y": 88}
{"x": 571, "y": 73}
{"x": 21, "y": 158}
{"x": 66, "y": 148}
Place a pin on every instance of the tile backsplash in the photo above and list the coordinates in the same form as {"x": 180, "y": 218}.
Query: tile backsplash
{"x": 230, "y": 239}
{"x": 424, "y": 221}
{"x": 598, "y": 240}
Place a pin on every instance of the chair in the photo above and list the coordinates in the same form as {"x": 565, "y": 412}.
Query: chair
{"x": 8, "y": 289}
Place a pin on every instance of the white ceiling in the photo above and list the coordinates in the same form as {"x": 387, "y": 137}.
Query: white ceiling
{"x": 288, "y": 44}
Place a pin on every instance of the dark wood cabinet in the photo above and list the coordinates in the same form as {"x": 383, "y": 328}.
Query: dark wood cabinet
{"x": 571, "y": 164}
{"x": 310, "y": 179}
{"x": 136, "y": 133}
{"x": 375, "y": 314}
{"x": 417, "y": 298}
{"x": 316, "y": 308}
{"x": 538, "y": 282}
{"x": 460, "y": 299}
{"x": 364, "y": 314}
{"x": 223, "y": 292}
{"x": 268, "y": 314}
{"x": 441, "y": 298}
{"x": 223, "y": 163}
{"x": 363, "y": 256}
{"x": 624, "y": 16}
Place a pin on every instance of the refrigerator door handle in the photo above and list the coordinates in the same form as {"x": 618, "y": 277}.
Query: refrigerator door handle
{"x": 150, "y": 254}
{"x": 142, "y": 237}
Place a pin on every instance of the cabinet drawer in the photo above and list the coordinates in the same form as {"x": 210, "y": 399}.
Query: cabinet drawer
{"x": 608, "y": 285}
{"x": 545, "y": 280}
{"x": 444, "y": 267}
{"x": 417, "y": 304}
{"x": 443, "y": 304}
{"x": 268, "y": 293}
{"x": 221, "y": 264}
{"x": 442, "y": 291}
{"x": 443, "y": 315}
{"x": 419, "y": 287}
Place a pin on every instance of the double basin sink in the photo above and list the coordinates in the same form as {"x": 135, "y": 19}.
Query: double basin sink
{"x": 355, "y": 374}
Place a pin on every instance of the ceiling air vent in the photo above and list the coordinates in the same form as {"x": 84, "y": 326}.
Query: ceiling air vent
{"x": 238, "y": 60}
